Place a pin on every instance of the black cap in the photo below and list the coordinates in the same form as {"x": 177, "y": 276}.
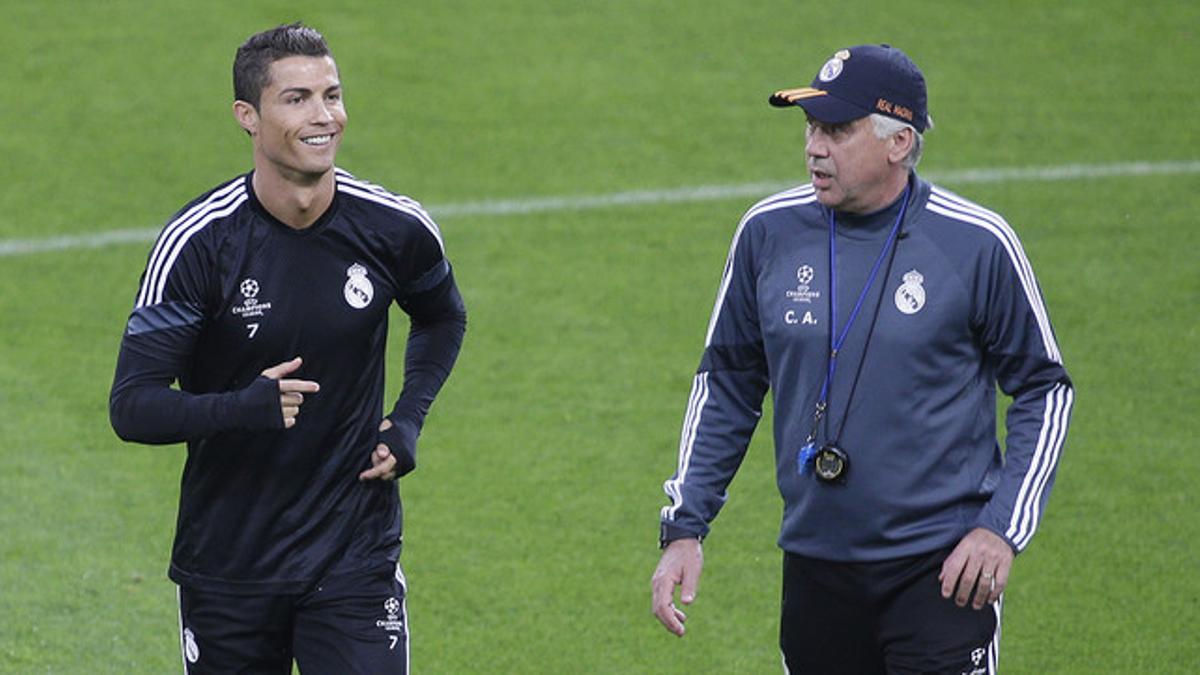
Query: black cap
{"x": 861, "y": 80}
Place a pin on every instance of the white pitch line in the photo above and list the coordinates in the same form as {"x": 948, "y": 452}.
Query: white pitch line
{"x": 502, "y": 207}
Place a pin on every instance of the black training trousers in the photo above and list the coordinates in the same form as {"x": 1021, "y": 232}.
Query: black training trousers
{"x": 350, "y": 623}
{"x": 885, "y": 617}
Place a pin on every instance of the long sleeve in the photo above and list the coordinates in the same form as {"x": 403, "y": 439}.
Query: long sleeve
{"x": 143, "y": 406}
{"x": 1019, "y": 341}
{"x": 725, "y": 403}
{"x": 156, "y": 351}
{"x": 438, "y": 324}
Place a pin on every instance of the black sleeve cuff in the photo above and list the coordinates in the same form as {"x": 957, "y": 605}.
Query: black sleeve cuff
{"x": 258, "y": 406}
{"x": 401, "y": 439}
{"x": 668, "y": 533}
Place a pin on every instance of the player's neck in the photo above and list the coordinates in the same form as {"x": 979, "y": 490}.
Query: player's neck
{"x": 294, "y": 201}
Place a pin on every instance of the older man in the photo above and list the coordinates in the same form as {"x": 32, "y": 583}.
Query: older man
{"x": 882, "y": 312}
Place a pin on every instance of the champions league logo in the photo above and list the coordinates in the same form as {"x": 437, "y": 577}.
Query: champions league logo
{"x": 910, "y": 297}
{"x": 393, "y": 622}
{"x": 358, "y": 290}
{"x": 250, "y": 306}
{"x": 804, "y": 277}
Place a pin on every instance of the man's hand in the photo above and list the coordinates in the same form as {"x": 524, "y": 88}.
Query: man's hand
{"x": 680, "y": 565}
{"x": 291, "y": 392}
{"x": 383, "y": 463}
{"x": 980, "y": 564}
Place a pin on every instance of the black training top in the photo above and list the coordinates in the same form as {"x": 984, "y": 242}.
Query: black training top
{"x": 229, "y": 291}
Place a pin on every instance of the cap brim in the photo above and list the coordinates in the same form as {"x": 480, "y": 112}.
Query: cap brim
{"x": 819, "y": 104}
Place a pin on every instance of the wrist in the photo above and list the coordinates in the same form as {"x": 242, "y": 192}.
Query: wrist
{"x": 256, "y": 407}
{"x": 401, "y": 441}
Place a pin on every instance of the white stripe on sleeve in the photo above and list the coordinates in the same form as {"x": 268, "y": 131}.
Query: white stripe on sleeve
{"x": 220, "y": 203}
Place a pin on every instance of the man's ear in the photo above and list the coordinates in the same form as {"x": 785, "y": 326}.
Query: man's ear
{"x": 246, "y": 116}
{"x": 902, "y": 144}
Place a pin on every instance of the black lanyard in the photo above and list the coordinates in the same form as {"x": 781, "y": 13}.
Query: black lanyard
{"x": 807, "y": 453}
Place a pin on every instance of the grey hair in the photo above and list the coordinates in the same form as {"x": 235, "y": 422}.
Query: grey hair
{"x": 886, "y": 127}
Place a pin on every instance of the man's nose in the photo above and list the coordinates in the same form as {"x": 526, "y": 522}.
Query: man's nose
{"x": 814, "y": 144}
{"x": 323, "y": 113}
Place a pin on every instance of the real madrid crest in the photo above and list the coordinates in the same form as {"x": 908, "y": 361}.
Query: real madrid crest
{"x": 833, "y": 67}
{"x": 910, "y": 297}
{"x": 190, "y": 651}
{"x": 358, "y": 289}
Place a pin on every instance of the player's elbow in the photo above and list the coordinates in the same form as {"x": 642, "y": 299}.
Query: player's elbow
{"x": 133, "y": 421}
{"x": 120, "y": 418}
{"x": 458, "y": 320}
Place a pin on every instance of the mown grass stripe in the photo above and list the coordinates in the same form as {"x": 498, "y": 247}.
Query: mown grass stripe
{"x": 527, "y": 205}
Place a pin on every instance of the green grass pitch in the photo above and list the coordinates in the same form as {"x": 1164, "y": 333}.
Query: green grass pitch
{"x": 531, "y": 524}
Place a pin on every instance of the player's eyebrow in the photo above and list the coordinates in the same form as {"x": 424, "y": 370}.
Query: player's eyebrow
{"x": 303, "y": 91}
{"x": 307, "y": 92}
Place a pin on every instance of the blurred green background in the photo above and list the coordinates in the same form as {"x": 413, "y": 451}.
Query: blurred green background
{"x": 531, "y": 525}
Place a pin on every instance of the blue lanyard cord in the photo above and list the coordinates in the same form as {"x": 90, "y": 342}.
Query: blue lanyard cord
{"x": 836, "y": 339}
{"x": 836, "y": 343}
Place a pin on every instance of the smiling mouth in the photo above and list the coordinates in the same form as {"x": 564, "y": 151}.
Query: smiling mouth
{"x": 317, "y": 140}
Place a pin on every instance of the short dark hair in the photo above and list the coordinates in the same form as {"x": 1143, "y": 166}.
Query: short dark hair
{"x": 252, "y": 65}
